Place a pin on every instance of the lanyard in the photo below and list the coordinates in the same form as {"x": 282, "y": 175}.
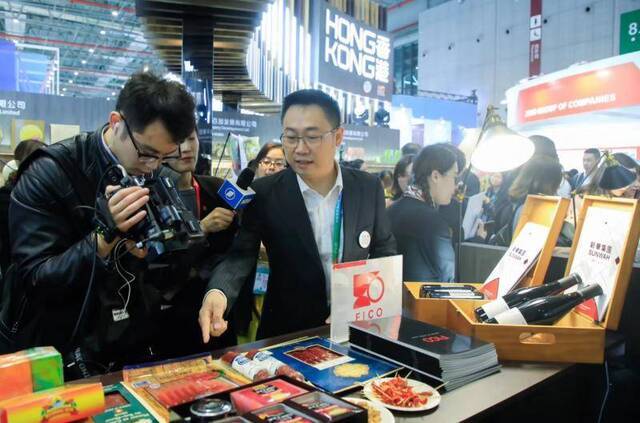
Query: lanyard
{"x": 196, "y": 188}
{"x": 337, "y": 230}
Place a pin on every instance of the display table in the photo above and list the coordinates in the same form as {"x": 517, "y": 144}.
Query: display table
{"x": 469, "y": 402}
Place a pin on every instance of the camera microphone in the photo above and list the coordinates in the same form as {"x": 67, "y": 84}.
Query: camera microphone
{"x": 237, "y": 195}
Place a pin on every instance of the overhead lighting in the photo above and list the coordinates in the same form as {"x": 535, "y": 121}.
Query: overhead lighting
{"x": 499, "y": 148}
{"x": 108, "y": 98}
{"x": 64, "y": 89}
{"x": 71, "y": 81}
{"x": 84, "y": 62}
{"x": 145, "y": 69}
{"x": 173, "y": 77}
{"x": 103, "y": 32}
{"x": 75, "y": 73}
{"x": 113, "y": 93}
{"x": 114, "y": 13}
{"x": 91, "y": 50}
{"x": 15, "y": 20}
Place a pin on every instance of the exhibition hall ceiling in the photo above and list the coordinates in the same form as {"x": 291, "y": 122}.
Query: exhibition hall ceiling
{"x": 100, "y": 42}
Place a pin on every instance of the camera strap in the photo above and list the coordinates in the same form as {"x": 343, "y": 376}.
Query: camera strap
{"x": 196, "y": 188}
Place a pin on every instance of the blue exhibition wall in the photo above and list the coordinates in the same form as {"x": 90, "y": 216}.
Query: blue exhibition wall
{"x": 460, "y": 114}
{"x": 8, "y": 66}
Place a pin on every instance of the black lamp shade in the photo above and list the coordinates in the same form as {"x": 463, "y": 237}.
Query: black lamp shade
{"x": 616, "y": 177}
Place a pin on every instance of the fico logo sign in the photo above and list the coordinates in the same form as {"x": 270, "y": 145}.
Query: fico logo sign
{"x": 368, "y": 290}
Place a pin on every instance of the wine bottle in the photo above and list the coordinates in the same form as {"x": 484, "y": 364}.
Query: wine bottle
{"x": 522, "y": 295}
{"x": 546, "y": 310}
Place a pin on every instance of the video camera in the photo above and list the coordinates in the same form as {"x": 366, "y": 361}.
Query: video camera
{"x": 168, "y": 225}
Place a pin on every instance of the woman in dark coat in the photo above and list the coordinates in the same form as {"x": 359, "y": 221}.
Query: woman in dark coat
{"x": 422, "y": 234}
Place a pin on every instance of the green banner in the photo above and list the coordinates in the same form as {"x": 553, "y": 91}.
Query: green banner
{"x": 629, "y": 32}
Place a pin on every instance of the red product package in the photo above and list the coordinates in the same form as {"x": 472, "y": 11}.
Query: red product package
{"x": 264, "y": 394}
{"x": 328, "y": 407}
{"x": 282, "y": 414}
{"x": 189, "y": 388}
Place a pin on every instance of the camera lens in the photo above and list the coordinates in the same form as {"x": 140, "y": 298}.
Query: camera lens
{"x": 209, "y": 409}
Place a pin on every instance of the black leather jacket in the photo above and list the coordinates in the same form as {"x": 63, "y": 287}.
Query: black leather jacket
{"x": 53, "y": 247}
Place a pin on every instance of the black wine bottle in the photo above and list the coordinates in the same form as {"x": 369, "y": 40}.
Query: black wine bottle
{"x": 522, "y": 295}
{"x": 546, "y": 310}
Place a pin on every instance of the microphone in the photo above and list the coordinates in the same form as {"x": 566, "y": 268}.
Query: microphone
{"x": 237, "y": 195}
{"x": 245, "y": 178}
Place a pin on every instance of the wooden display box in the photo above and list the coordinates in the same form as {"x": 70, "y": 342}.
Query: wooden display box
{"x": 575, "y": 338}
{"x": 546, "y": 211}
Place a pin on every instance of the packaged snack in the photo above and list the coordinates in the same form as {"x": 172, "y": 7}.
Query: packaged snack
{"x": 245, "y": 366}
{"x": 263, "y": 394}
{"x": 121, "y": 406}
{"x": 31, "y": 370}
{"x": 275, "y": 366}
{"x": 281, "y": 414}
{"x": 328, "y": 407}
{"x": 63, "y": 404}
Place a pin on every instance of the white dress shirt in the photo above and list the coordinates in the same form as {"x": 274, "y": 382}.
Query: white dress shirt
{"x": 321, "y": 211}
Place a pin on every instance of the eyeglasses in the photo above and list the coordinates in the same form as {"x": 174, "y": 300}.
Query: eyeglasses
{"x": 145, "y": 157}
{"x": 291, "y": 141}
{"x": 455, "y": 176}
{"x": 279, "y": 164}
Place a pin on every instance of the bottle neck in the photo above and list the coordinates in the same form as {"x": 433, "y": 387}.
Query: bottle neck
{"x": 590, "y": 291}
{"x": 569, "y": 281}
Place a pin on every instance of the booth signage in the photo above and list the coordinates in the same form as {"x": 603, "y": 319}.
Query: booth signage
{"x": 52, "y": 117}
{"x": 364, "y": 290}
{"x": 369, "y": 142}
{"x": 629, "y": 36}
{"x": 535, "y": 37}
{"x": 12, "y": 107}
{"x": 601, "y": 89}
{"x": 353, "y": 57}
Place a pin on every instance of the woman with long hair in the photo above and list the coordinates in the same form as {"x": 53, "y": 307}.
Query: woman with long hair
{"x": 401, "y": 176}
{"x": 539, "y": 176}
{"x": 422, "y": 234}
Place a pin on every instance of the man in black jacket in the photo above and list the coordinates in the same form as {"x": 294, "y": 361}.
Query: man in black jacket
{"x": 63, "y": 261}
{"x": 308, "y": 217}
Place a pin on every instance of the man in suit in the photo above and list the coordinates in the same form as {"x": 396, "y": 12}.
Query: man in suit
{"x": 589, "y": 162}
{"x": 308, "y": 216}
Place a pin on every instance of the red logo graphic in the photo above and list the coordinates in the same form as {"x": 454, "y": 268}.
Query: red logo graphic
{"x": 368, "y": 288}
{"x": 490, "y": 289}
{"x": 589, "y": 308}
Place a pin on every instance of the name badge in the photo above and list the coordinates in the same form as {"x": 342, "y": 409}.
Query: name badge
{"x": 119, "y": 314}
{"x": 364, "y": 239}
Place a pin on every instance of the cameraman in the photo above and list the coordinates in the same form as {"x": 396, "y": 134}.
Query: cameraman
{"x": 72, "y": 288}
